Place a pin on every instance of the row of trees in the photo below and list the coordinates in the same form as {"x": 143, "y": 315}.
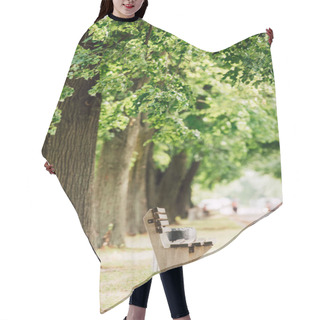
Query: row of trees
{"x": 143, "y": 115}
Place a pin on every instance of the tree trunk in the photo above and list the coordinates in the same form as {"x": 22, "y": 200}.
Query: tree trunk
{"x": 151, "y": 185}
{"x": 184, "y": 203}
{"x": 171, "y": 189}
{"x": 71, "y": 150}
{"x": 137, "y": 193}
{"x": 111, "y": 185}
{"x": 170, "y": 184}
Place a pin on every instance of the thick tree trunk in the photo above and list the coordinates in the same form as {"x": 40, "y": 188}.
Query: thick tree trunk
{"x": 137, "y": 193}
{"x": 111, "y": 185}
{"x": 72, "y": 149}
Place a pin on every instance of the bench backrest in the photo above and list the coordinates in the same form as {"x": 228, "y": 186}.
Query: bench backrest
{"x": 167, "y": 234}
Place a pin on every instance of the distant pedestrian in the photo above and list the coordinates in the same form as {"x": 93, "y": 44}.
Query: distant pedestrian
{"x": 268, "y": 205}
{"x": 205, "y": 211}
{"x": 235, "y": 206}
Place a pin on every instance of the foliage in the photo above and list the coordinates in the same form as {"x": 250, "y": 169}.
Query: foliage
{"x": 219, "y": 107}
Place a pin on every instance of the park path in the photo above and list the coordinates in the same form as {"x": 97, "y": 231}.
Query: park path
{"x": 245, "y": 219}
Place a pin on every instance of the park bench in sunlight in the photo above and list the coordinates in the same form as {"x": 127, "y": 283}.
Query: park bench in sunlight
{"x": 173, "y": 246}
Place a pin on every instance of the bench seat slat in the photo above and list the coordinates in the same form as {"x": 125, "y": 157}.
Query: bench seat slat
{"x": 198, "y": 243}
{"x": 178, "y": 245}
{"x": 166, "y": 229}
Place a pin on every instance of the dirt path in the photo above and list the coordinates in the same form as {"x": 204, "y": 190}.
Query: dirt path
{"x": 245, "y": 219}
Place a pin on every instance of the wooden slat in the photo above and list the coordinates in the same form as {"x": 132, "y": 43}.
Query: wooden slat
{"x": 178, "y": 245}
{"x": 157, "y": 209}
{"x": 179, "y": 241}
{"x": 198, "y": 243}
{"x": 183, "y": 242}
{"x": 162, "y": 223}
{"x": 161, "y": 216}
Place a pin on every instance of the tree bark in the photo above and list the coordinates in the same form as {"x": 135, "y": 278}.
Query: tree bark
{"x": 170, "y": 184}
{"x": 111, "y": 185}
{"x": 72, "y": 149}
{"x": 137, "y": 194}
{"x": 184, "y": 203}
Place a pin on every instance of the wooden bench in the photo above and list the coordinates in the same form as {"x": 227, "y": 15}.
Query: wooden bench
{"x": 173, "y": 246}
